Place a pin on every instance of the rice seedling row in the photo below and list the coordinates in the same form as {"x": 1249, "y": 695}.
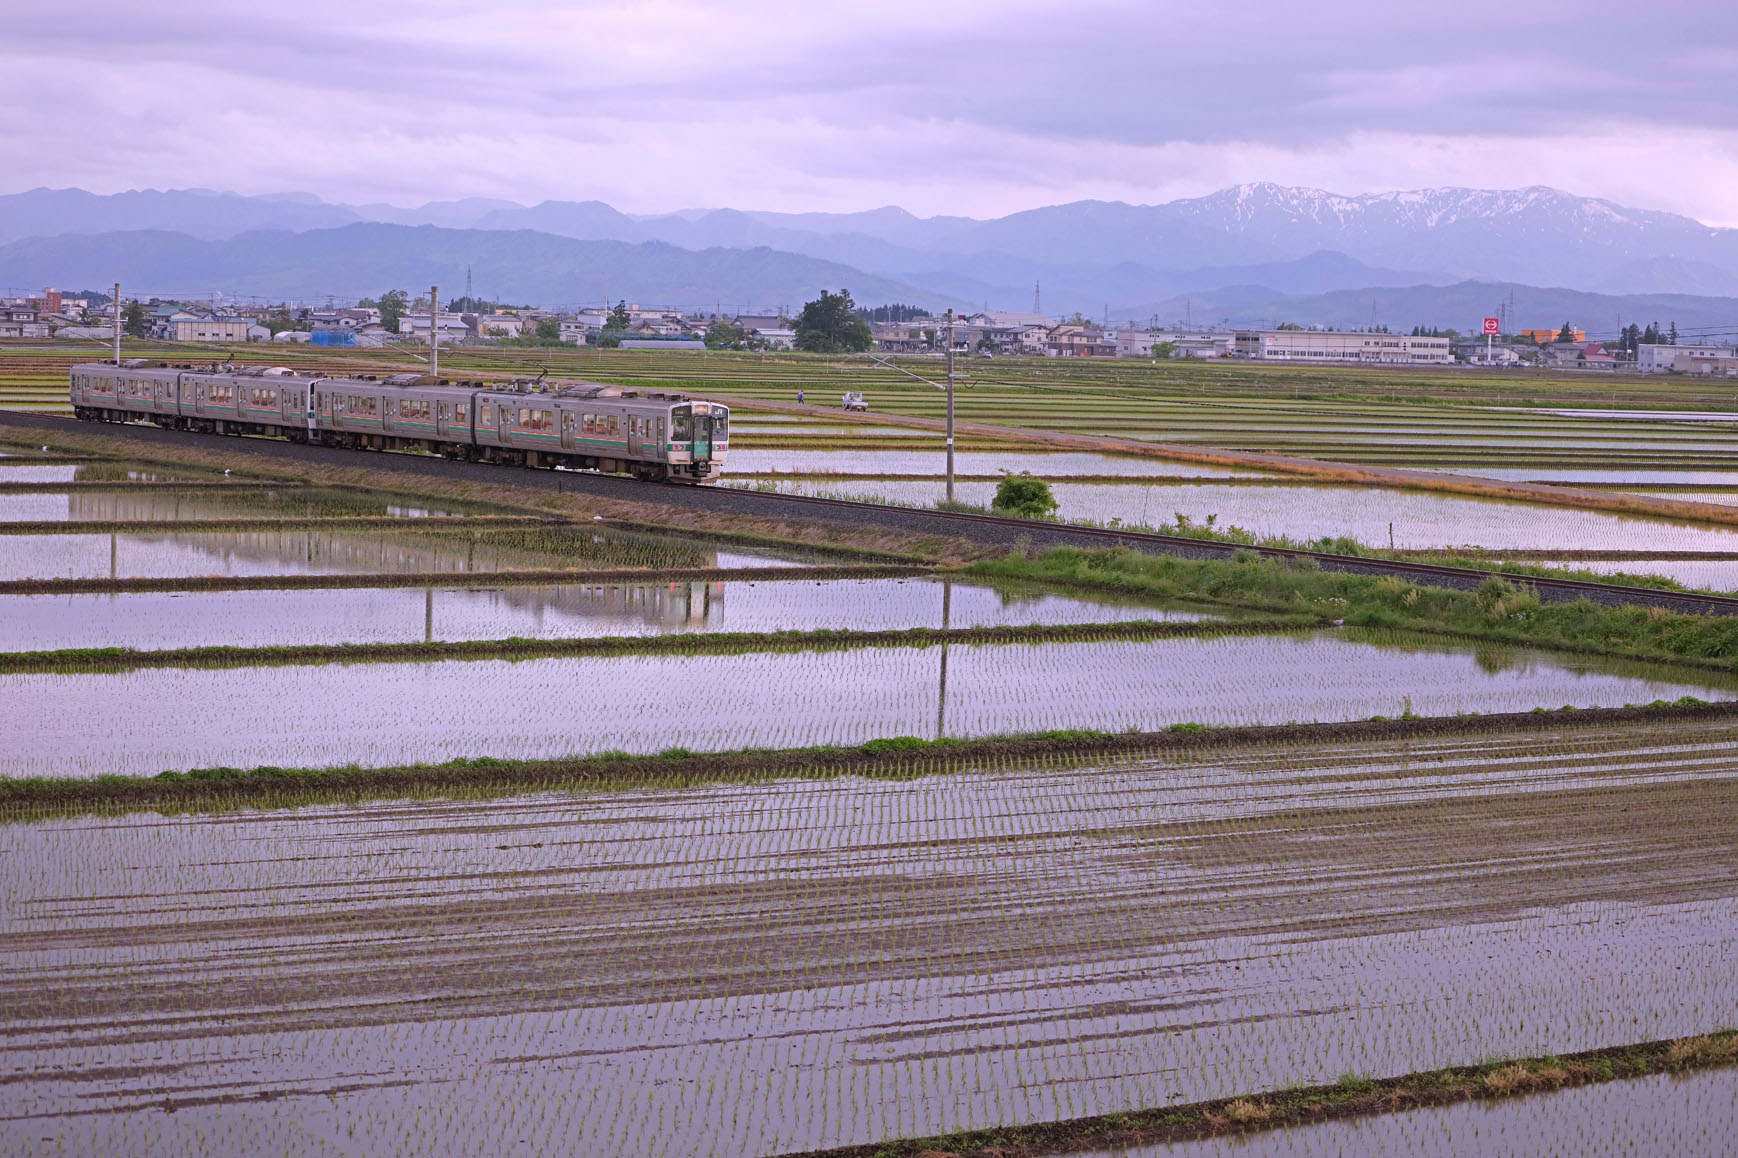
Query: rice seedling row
{"x": 770, "y": 968}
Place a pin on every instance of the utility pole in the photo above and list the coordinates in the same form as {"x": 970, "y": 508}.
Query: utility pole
{"x": 950, "y": 404}
{"x": 117, "y": 323}
{"x": 434, "y": 331}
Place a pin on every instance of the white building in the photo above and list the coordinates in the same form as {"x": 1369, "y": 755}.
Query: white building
{"x": 776, "y": 338}
{"x": 1661, "y": 359}
{"x": 499, "y": 325}
{"x": 415, "y": 327}
{"x": 1723, "y": 366}
{"x": 574, "y": 333}
{"x": 1187, "y": 343}
{"x": 1319, "y": 346}
{"x": 193, "y": 329}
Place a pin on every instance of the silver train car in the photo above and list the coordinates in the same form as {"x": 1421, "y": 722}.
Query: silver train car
{"x": 657, "y": 437}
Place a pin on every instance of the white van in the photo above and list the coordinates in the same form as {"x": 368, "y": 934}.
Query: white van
{"x": 854, "y": 401}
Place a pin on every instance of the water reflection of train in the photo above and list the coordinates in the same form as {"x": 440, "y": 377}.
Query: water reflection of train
{"x": 454, "y": 551}
{"x": 655, "y": 436}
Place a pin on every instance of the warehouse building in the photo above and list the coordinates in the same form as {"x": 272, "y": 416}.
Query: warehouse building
{"x": 1319, "y": 346}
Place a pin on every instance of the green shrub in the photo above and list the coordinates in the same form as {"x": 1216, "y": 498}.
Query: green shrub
{"x": 1023, "y": 497}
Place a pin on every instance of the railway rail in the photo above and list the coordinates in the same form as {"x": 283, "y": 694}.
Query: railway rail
{"x": 992, "y": 530}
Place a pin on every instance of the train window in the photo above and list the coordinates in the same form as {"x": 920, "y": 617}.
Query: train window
{"x": 615, "y": 426}
{"x": 660, "y": 429}
{"x": 488, "y": 416}
{"x": 681, "y": 427}
{"x": 589, "y": 425}
{"x": 720, "y": 425}
{"x": 459, "y": 412}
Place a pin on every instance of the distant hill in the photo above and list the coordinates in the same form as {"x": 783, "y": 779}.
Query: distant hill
{"x": 366, "y": 259}
{"x": 1084, "y": 253}
{"x": 1459, "y": 306}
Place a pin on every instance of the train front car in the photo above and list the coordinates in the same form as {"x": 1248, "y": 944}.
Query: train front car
{"x": 132, "y": 391}
{"x": 699, "y": 441}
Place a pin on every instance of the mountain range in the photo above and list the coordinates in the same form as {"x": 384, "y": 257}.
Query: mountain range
{"x": 1235, "y": 252}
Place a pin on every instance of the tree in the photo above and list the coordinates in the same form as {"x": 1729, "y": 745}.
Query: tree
{"x": 1079, "y": 319}
{"x": 723, "y": 335}
{"x": 829, "y": 325}
{"x": 1567, "y": 333}
{"x": 1023, "y": 497}
{"x": 1672, "y": 337}
{"x": 1165, "y": 350}
{"x": 619, "y": 318}
{"x": 898, "y": 312}
{"x": 134, "y": 320}
{"x": 283, "y": 320}
{"x": 392, "y": 305}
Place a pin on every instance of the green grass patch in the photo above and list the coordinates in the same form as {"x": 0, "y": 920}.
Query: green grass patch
{"x": 1498, "y": 610}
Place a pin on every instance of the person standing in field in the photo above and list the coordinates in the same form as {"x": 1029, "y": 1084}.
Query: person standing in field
{"x": 799, "y": 397}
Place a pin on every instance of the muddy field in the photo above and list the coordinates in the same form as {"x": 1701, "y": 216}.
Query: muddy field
{"x": 740, "y": 970}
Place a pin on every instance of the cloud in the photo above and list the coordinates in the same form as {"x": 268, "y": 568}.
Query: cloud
{"x": 968, "y": 108}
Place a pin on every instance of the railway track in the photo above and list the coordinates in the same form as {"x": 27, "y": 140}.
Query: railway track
{"x": 992, "y": 530}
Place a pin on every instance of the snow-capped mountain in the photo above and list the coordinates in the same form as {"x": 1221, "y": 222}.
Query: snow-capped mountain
{"x": 1090, "y": 252}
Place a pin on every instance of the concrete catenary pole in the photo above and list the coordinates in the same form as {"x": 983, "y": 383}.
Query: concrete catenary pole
{"x": 434, "y": 331}
{"x": 950, "y": 406}
{"x": 117, "y": 323}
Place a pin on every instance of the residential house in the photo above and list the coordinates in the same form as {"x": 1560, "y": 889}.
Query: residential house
{"x": 1079, "y": 342}
{"x": 1577, "y": 356}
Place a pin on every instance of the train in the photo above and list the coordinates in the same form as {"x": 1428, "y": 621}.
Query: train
{"x": 653, "y": 436}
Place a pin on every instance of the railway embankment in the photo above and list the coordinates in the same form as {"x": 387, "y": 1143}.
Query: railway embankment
{"x": 793, "y": 519}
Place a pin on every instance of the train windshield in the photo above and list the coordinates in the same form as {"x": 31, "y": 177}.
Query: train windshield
{"x": 720, "y": 424}
{"x": 682, "y": 426}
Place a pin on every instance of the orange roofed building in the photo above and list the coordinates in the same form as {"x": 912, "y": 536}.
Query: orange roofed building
{"x": 1546, "y": 337}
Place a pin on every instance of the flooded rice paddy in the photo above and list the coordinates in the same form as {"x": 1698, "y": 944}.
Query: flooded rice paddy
{"x": 1419, "y": 520}
{"x": 388, "y": 551}
{"x": 1718, "y": 575}
{"x": 1686, "y": 1116}
{"x": 376, "y": 714}
{"x": 288, "y": 617}
{"x": 736, "y": 970}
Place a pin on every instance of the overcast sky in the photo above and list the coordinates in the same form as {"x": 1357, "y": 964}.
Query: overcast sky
{"x": 969, "y": 108}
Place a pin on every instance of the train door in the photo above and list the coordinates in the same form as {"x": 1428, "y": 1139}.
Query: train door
{"x": 313, "y": 419}
{"x": 569, "y": 421}
{"x": 636, "y": 436}
{"x": 702, "y": 436}
{"x": 443, "y": 416}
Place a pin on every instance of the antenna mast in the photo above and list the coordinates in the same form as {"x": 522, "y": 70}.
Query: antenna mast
{"x": 434, "y": 330}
